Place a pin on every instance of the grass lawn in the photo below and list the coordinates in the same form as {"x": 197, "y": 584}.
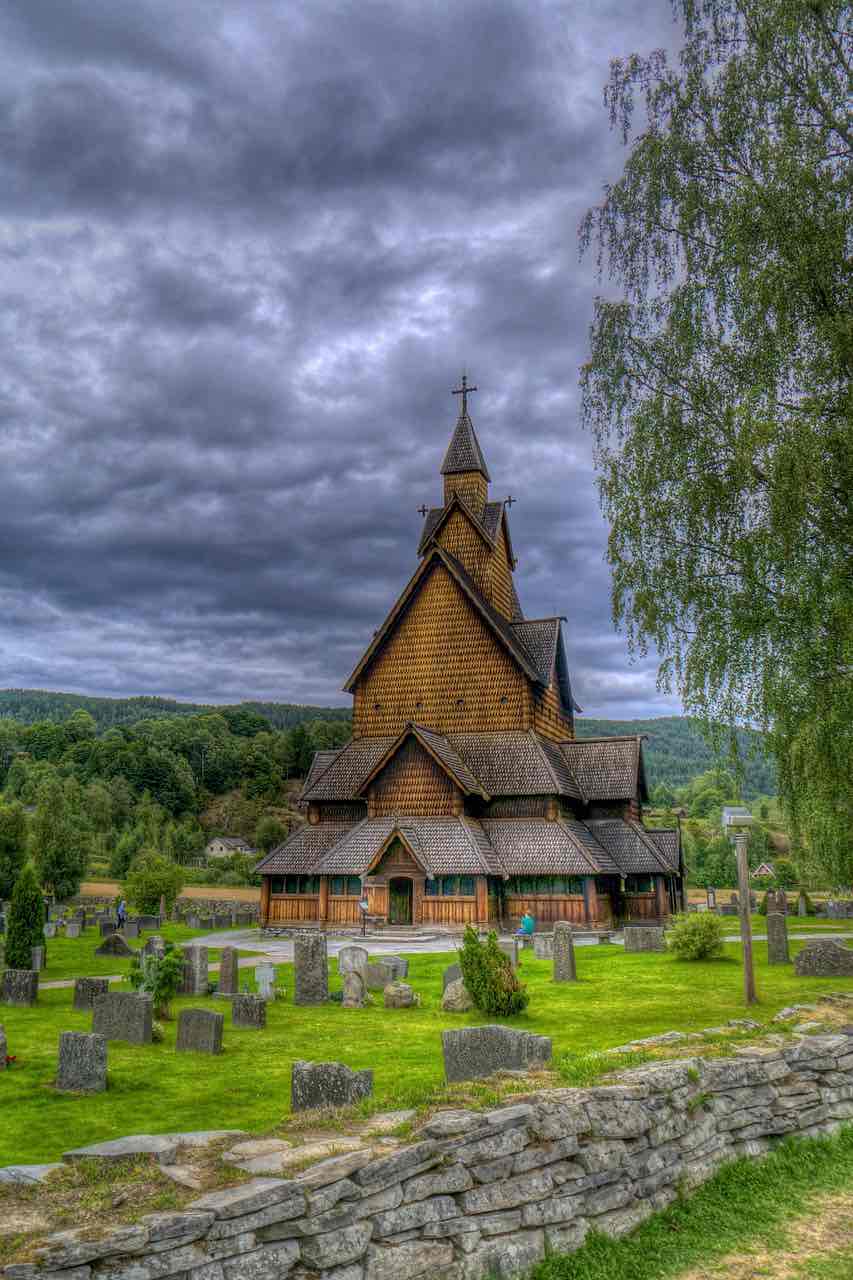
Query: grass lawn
{"x": 154, "y": 1090}
{"x": 75, "y": 957}
{"x": 796, "y": 924}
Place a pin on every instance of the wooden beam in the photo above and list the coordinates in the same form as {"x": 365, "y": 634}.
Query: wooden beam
{"x": 323, "y": 904}
{"x": 265, "y": 901}
{"x": 482, "y": 891}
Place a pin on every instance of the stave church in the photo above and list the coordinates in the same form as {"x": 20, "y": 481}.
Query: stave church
{"x": 464, "y": 796}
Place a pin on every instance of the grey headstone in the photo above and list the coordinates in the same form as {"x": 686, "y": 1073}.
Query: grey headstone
{"x": 543, "y": 946}
{"x": 327, "y": 1084}
{"x": 352, "y": 960}
{"x": 114, "y": 945}
{"x": 565, "y": 969}
{"x": 265, "y": 979}
{"x": 398, "y": 995}
{"x": 106, "y": 927}
{"x": 509, "y": 946}
{"x": 474, "y": 1053}
{"x": 249, "y": 1011}
{"x": 82, "y": 1062}
{"x": 378, "y": 976}
{"x": 311, "y": 969}
{"x": 777, "y": 938}
{"x": 824, "y": 958}
{"x": 644, "y": 938}
{"x": 196, "y": 973}
{"x": 398, "y": 966}
{"x": 49, "y": 929}
{"x": 20, "y": 987}
{"x": 802, "y": 907}
{"x": 73, "y": 929}
{"x": 711, "y": 899}
{"x": 193, "y": 922}
{"x": 148, "y": 922}
{"x": 228, "y": 972}
{"x": 154, "y": 946}
{"x": 37, "y": 961}
{"x": 123, "y": 1015}
{"x": 130, "y": 929}
{"x": 453, "y": 973}
{"x": 456, "y": 998}
{"x": 4, "y": 1048}
{"x": 199, "y": 1031}
{"x": 354, "y": 990}
{"x": 2, "y": 922}
{"x": 85, "y": 991}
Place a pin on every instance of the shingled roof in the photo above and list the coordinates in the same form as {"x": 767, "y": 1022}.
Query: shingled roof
{"x": 344, "y": 776}
{"x": 442, "y": 846}
{"x": 607, "y": 768}
{"x": 464, "y": 452}
{"x": 441, "y": 750}
{"x": 630, "y": 846}
{"x": 319, "y": 765}
{"x": 516, "y": 762}
{"x": 302, "y": 851}
{"x": 534, "y": 846}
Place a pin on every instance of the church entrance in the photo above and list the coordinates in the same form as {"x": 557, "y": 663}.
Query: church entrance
{"x": 400, "y": 900}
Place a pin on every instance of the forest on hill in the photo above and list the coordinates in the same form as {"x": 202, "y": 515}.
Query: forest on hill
{"x": 28, "y": 706}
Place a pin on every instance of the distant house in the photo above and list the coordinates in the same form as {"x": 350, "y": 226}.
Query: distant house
{"x": 225, "y": 846}
{"x": 765, "y": 870}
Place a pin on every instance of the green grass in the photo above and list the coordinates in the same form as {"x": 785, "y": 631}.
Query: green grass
{"x": 796, "y": 924}
{"x": 747, "y": 1204}
{"x": 75, "y": 957}
{"x": 154, "y": 1090}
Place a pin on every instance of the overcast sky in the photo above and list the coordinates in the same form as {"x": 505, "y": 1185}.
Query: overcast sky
{"x": 247, "y": 249}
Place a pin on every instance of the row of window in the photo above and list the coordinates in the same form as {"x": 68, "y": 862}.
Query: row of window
{"x": 639, "y": 884}
{"x": 450, "y": 887}
{"x": 457, "y": 886}
{"x": 339, "y": 886}
{"x": 545, "y": 884}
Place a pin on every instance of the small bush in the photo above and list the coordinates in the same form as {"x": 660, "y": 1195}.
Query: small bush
{"x": 152, "y": 877}
{"x": 159, "y": 977}
{"x": 25, "y": 925}
{"x": 696, "y": 937}
{"x": 489, "y": 978}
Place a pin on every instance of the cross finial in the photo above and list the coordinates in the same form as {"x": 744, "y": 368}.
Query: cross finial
{"x": 463, "y": 392}
{"x": 508, "y": 502}
{"x": 423, "y": 511}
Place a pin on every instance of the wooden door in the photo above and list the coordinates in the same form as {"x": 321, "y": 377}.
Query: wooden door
{"x": 400, "y": 900}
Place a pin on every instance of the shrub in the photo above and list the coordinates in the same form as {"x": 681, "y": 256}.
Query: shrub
{"x": 696, "y": 937}
{"x": 25, "y": 926}
{"x": 151, "y": 877}
{"x": 158, "y": 977}
{"x": 489, "y": 978}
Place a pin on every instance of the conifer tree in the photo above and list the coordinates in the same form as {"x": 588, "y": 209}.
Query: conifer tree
{"x": 25, "y": 926}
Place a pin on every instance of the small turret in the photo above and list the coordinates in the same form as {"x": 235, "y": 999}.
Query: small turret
{"x": 464, "y": 467}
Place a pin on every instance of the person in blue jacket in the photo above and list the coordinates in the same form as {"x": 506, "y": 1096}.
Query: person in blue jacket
{"x": 527, "y": 925}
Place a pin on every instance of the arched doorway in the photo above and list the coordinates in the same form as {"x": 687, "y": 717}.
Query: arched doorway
{"x": 400, "y": 900}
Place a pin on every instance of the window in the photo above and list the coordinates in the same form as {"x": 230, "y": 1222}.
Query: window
{"x": 450, "y": 887}
{"x": 345, "y": 886}
{"x": 277, "y": 884}
{"x": 336, "y": 886}
{"x": 639, "y": 884}
{"x": 299, "y": 884}
{"x": 431, "y": 889}
{"x": 466, "y": 886}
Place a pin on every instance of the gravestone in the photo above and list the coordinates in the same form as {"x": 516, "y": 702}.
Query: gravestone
{"x": 106, "y": 927}
{"x": 802, "y": 905}
{"x": 453, "y": 973}
{"x": 839, "y": 908}
{"x": 474, "y": 1053}
{"x": 82, "y": 1063}
{"x": 123, "y": 1015}
{"x": 509, "y": 946}
{"x": 195, "y": 976}
{"x": 37, "y": 961}
{"x": 377, "y": 976}
{"x": 130, "y": 929}
{"x": 456, "y": 998}
{"x": 398, "y": 966}
{"x": 644, "y": 938}
{"x": 162, "y": 908}
{"x": 352, "y": 960}
{"x": 734, "y": 901}
{"x": 354, "y": 990}
{"x": 49, "y": 929}
{"x": 4, "y": 1048}
{"x": 543, "y": 946}
{"x": 711, "y": 899}
{"x": 228, "y": 973}
{"x": 311, "y": 969}
{"x": 753, "y": 900}
{"x": 193, "y": 922}
{"x": 265, "y": 979}
{"x": 2, "y": 922}
{"x": 327, "y": 1084}
{"x": 73, "y": 929}
{"x": 565, "y": 969}
{"x": 249, "y": 1011}
{"x": 824, "y": 958}
{"x": 199, "y": 1031}
{"x": 398, "y": 995}
{"x": 20, "y": 987}
{"x": 114, "y": 945}
{"x": 85, "y": 991}
{"x": 154, "y": 946}
{"x": 728, "y": 909}
{"x": 777, "y": 938}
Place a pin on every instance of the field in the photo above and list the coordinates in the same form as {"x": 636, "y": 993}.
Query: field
{"x": 154, "y": 1090}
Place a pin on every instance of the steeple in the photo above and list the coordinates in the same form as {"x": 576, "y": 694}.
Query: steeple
{"x": 464, "y": 467}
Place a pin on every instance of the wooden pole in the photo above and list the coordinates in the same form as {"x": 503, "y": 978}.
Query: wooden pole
{"x": 745, "y": 923}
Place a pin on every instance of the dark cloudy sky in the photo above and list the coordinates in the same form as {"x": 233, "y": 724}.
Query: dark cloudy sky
{"x": 247, "y": 249}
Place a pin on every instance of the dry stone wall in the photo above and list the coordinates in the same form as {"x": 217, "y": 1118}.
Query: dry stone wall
{"x": 481, "y": 1193}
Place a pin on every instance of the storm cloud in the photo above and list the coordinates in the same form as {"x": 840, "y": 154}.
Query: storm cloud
{"x": 246, "y": 252}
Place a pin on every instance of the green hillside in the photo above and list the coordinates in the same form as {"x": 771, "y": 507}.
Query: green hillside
{"x": 28, "y": 706}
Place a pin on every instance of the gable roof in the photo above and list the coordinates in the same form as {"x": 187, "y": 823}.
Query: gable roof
{"x": 516, "y": 762}
{"x": 442, "y": 846}
{"x": 630, "y": 846}
{"x": 464, "y": 452}
{"x": 535, "y": 846}
{"x": 607, "y": 768}
{"x": 319, "y": 765}
{"x": 440, "y": 750}
{"x": 456, "y": 503}
{"x": 302, "y": 851}
{"x": 343, "y": 776}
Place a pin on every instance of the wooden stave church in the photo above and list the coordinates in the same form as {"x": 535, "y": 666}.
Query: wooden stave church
{"x": 463, "y": 796}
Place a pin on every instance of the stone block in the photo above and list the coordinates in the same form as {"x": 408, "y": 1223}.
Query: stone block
{"x": 130, "y": 930}
{"x": 311, "y": 969}
{"x": 106, "y": 927}
{"x": 123, "y": 1015}
{"x": 199, "y": 1031}
{"x": 73, "y": 929}
{"x": 398, "y": 965}
{"x": 824, "y": 958}
{"x": 327, "y": 1084}
{"x": 196, "y": 975}
{"x": 114, "y": 945}
{"x": 49, "y": 929}
{"x": 453, "y": 973}
{"x": 249, "y": 1011}
{"x": 228, "y": 972}
{"x": 456, "y": 998}
{"x": 543, "y": 946}
{"x": 354, "y": 990}
{"x": 82, "y": 1063}
{"x": 37, "y": 960}
{"x": 644, "y": 938}
{"x": 474, "y": 1053}
{"x": 265, "y": 979}
{"x": 85, "y": 991}
{"x": 352, "y": 960}
{"x": 565, "y": 968}
{"x": 398, "y": 995}
{"x": 154, "y": 946}
{"x": 4, "y": 1049}
{"x": 509, "y": 946}
{"x": 20, "y": 987}
{"x": 777, "y": 938}
{"x": 379, "y": 975}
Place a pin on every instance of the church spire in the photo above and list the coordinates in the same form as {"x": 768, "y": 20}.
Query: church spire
{"x": 464, "y": 453}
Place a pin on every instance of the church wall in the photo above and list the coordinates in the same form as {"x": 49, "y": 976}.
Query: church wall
{"x": 548, "y": 717}
{"x": 499, "y": 587}
{"x": 458, "y": 536}
{"x": 413, "y": 783}
{"x": 441, "y": 667}
{"x": 472, "y": 488}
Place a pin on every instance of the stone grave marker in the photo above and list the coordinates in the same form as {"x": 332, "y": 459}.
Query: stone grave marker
{"x": 249, "y": 1011}
{"x": 327, "y": 1084}
{"x": 474, "y": 1053}
{"x": 265, "y": 979}
{"x": 644, "y": 938}
{"x": 2, "y": 922}
{"x": 377, "y": 976}
{"x": 456, "y": 998}
{"x": 193, "y": 922}
{"x": 509, "y": 946}
{"x": 354, "y": 990}
{"x": 123, "y": 1015}
{"x": 543, "y": 946}
{"x": 777, "y": 938}
{"x": 85, "y": 991}
{"x": 196, "y": 972}
{"x": 824, "y": 958}
{"x": 711, "y": 899}
{"x": 228, "y": 972}
{"x": 114, "y": 945}
{"x": 37, "y": 961}
{"x": 82, "y": 1063}
{"x": 73, "y": 929}
{"x": 398, "y": 966}
{"x": 453, "y": 973}
{"x": 49, "y": 929}
{"x": 162, "y": 908}
{"x": 130, "y": 929}
{"x": 154, "y": 946}
{"x": 352, "y": 959}
{"x": 4, "y": 1048}
{"x": 565, "y": 968}
{"x": 20, "y": 987}
{"x": 199, "y": 1031}
{"x": 106, "y": 927}
{"x": 311, "y": 969}
{"x": 802, "y": 906}
{"x": 398, "y": 995}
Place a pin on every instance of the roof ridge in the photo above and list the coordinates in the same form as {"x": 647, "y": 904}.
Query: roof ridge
{"x": 570, "y": 835}
{"x": 455, "y": 500}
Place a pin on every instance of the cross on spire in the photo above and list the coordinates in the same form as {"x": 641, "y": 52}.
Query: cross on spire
{"x": 463, "y": 392}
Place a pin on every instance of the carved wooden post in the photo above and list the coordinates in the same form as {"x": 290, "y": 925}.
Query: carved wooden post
{"x": 661, "y": 897}
{"x": 265, "y": 901}
{"x": 482, "y": 891}
{"x": 323, "y": 900}
{"x": 590, "y": 898}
